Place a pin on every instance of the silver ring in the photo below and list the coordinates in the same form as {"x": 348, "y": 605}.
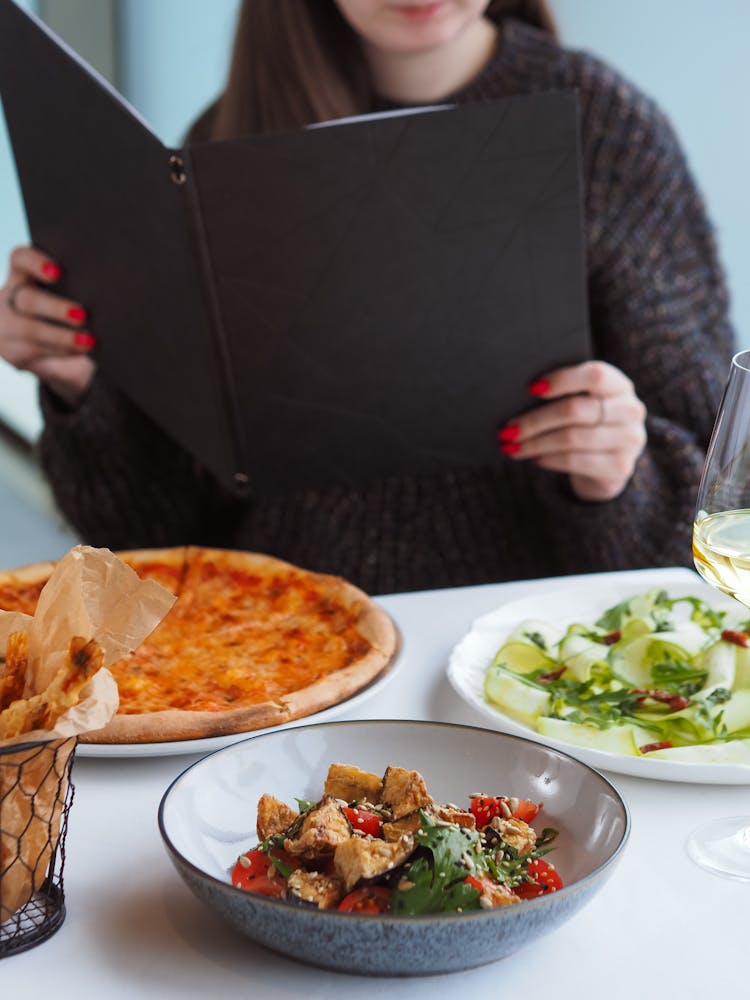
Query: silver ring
{"x": 11, "y": 299}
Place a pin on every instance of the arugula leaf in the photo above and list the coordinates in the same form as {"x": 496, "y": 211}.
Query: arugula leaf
{"x": 713, "y": 721}
{"x": 504, "y": 862}
{"x": 708, "y": 618}
{"x": 438, "y": 873}
{"x": 537, "y": 639}
{"x": 612, "y": 618}
{"x": 678, "y": 677}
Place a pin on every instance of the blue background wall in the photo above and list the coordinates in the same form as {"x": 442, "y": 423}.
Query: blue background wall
{"x": 691, "y": 56}
{"x": 688, "y": 54}
{"x": 174, "y": 57}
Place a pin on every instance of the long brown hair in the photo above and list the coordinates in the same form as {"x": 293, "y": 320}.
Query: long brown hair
{"x": 324, "y": 75}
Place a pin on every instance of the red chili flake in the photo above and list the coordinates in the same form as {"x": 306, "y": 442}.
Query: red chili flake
{"x": 648, "y": 747}
{"x": 738, "y": 638}
{"x": 553, "y": 675}
{"x": 612, "y": 637}
{"x": 676, "y": 702}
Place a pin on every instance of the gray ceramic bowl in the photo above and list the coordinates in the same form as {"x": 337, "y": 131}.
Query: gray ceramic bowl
{"x": 207, "y": 818}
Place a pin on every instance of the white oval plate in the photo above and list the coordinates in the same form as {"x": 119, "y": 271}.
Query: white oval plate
{"x": 582, "y": 601}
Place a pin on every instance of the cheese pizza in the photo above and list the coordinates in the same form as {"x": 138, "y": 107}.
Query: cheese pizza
{"x": 251, "y": 642}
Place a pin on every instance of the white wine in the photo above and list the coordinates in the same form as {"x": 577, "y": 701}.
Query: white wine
{"x": 721, "y": 550}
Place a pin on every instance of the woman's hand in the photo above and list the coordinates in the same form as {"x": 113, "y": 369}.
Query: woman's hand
{"x": 42, "y": 332}
{"x": 593, "y": 428}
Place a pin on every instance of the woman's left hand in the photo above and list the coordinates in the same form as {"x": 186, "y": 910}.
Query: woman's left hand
{"x": 593, "y": 428}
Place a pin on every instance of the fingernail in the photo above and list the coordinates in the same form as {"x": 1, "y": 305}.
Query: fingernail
{"x": 84, "y": 340}
{"x": 509, "y": 433}
{"x": 51, "y": 271}
{"x": 511, "y": 448}
{"x": 539, "y": 388}
{"x": 76, "y": 315}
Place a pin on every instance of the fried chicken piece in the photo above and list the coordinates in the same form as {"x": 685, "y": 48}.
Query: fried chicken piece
{"x": 274, "y": 817}
{"x": 449, "y": 814}
{"x": 364, "y": 858}
{"x": 326, "y": 891}
{"x": 516, "y": 833}
{"x": 404, "y": 791}
{"x": 323, "y": 828}
{"x": 494, "y": 895}
{"x": 407, "y": 824}
{"x": 347, "y": 782}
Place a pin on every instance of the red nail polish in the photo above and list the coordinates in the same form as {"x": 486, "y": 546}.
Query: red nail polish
{"x": 84, "y": 340}
{"x": 509, "y": 433}
{"x": 539, "y": 388}
{"x": 76, "y": 315}
{"x": 51, "y": 271}
{"x": 510, "y": 448}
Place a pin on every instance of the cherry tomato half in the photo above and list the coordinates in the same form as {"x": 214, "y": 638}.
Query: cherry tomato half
{"x": 545, "y": 878}
{"x": 480, "y": 884}
{"x": 252, "y": 872}
{"x": 364, "y": 821}
{"x": 484, "y": 808}
{"x": 370, "y": 899}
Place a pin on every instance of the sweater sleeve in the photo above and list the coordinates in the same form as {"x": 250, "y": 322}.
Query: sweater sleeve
{"x": 659, "y": 312}
{"x": 121, "y": 482}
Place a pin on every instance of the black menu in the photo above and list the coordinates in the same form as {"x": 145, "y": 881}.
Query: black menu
{"x": 332, "y": 304}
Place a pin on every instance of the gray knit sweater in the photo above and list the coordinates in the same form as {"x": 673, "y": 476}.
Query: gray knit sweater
{"x": 659, "y": 312}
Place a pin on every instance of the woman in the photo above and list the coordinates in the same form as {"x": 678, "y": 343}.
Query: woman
{"x": 602, "y": 476}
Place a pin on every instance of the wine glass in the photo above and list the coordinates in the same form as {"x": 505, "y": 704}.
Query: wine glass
{"x": 721, "y": 550}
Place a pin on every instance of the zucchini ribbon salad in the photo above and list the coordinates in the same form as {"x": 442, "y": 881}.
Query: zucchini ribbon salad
{"x": 382, "y": 845}
{"x": 654, "y": 675}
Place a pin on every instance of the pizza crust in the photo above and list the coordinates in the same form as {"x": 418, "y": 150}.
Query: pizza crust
{"x": 175, "y": 725}
{"x": 334, "y": 688}
{"x": 30, "y": 575}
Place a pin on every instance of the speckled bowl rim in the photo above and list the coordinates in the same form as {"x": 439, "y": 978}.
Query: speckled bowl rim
{"x": 411, "y": 919}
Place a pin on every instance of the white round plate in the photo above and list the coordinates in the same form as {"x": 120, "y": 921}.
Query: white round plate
{"x": 212, "y": 743}
{"x": 580, "y": 602}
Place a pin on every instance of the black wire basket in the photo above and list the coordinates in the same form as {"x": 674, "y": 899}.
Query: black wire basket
{"x": 36, "y": 794}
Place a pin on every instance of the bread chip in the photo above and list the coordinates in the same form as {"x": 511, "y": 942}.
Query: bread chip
{"x": 85, "y": 657}
{"x": 13, "y": 680}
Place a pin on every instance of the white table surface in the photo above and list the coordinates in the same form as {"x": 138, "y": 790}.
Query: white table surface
{"x": 660, "y": 926}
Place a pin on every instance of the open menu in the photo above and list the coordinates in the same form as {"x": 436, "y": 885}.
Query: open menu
{"x": 323, "y": 305}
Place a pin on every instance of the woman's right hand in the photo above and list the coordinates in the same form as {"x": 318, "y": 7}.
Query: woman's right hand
{"x": 42, "y": 332}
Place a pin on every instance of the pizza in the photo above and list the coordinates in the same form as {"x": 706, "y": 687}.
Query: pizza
{"x": 251, "y": 642}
